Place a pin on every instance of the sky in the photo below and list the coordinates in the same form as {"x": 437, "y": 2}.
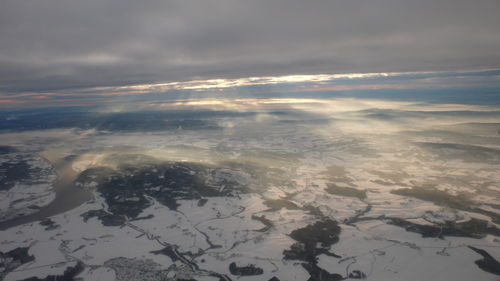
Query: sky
{"x": 70, "y": 49}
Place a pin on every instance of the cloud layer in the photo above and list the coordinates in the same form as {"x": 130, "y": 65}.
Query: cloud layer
{"x": 55, "y": 44}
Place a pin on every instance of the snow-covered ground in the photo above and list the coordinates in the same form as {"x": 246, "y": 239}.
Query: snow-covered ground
{"x": 283, "y": 158}
{"x": 26, "y": 184}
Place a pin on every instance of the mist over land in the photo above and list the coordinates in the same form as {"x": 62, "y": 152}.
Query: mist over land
{"x": 253, "y": 188}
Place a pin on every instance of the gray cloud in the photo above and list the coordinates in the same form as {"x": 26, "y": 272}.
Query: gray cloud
{"x": 63, "y": 44}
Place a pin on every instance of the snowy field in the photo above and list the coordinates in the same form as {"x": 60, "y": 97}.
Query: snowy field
{"x": 413, "y": 190}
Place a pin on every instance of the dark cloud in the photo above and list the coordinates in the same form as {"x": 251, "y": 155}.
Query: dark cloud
{"x": 63, "y": 44}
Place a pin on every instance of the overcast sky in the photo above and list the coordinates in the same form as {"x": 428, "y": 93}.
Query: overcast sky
{"x": 48, "y": 45}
